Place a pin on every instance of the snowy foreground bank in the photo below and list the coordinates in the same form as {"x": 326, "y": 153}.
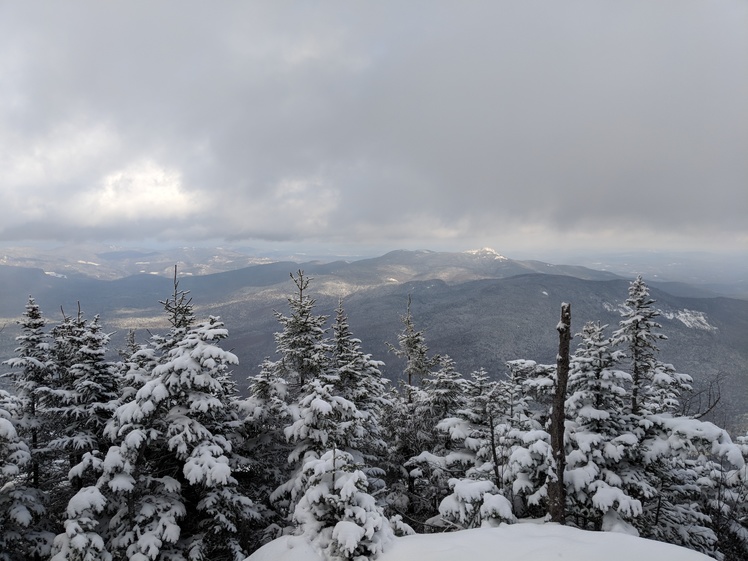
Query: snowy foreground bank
{"x": 516, "y": 542}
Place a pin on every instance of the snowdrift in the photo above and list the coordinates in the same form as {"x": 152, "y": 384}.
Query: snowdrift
{"x": 516, "y": 542}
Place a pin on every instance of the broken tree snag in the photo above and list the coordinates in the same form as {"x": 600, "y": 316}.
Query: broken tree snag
{"x": 556, "y": 488}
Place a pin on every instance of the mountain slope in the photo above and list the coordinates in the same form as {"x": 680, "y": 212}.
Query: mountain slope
{"x": 480, "y": 308}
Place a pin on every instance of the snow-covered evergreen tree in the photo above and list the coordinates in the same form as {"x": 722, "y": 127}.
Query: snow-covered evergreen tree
{"x": 326, "y": 414}
{"x": 476, "y": 428}
{"x": 413, "y": 349}
{"x": 283, "y": 403}
{"x": 325, "y": 420}
{"x": 443, "y": 394}
{"x": 59, "y": 403}
{"x": 87, "y": 404}
{"x": 654, "y": 385}
{"x": 81, "y": 539}
{"x": 31, "y": 370}
{"x": 27, "y": 474}
{"x": 300, "y": 343}
{"x": 675, "y": 454}
{"x": 406, "y": 433}
{"x": 667, "y": 463}
{"x": 168, "y": 479}
{"x": 476, "y": 432}
{"x": 337, "y": 514}
{"x": 530, "y": 459}
{"x": 85, "y": 407}
{"x": 599, "y": 437}
{"x": 266, "y": 413}
{"x": 474, "y": 503}
{"x": 357, "y": 378}
{"x": 725, "y": 500}
{"x": 20, "y": 503}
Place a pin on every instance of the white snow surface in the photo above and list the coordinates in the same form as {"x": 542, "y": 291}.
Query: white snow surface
{"x": 487, "y": 252}
{"x": 515, "y": 542}
{"x": 692, "y": 319}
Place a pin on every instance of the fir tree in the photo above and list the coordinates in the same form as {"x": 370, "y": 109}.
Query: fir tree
{"x": 599, "y": 438}
{"x": 85, "y": 408}
{"x": 443, "y": 394}
{"x": 357, "y": 378}
{"x": 474, "y": 503}
{"x": 295, "y": 386}
{"x": 404, "y": 431}
{"x": 475, "y": 432}
{"x": 526, "y": 438}
{"x": 336, "y": 513}
{"x": 654, "y": 385}
{"x": 266, "y": 413}
{"x": 32, "y": 371}
{"x": 300, "y": 343}
{"x": 412, "y": 348}
{"x": 324, "y": 421}
{"x": 88, "y": 403}
{"x": 666, "y": 465}
{"x": 168, "y": 479}
{"x": 21, "y": 504}
{"x": 59, "y": 402}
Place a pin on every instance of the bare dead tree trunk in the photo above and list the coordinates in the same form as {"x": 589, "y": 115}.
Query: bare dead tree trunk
{"x": 556, "y": 488}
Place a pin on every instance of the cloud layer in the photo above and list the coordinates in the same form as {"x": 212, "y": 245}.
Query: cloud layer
{"x": 432, "y": 124}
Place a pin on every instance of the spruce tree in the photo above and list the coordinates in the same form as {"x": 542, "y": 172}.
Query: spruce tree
{"x": 325, "y": 421}
{"x": 404, "y": 431}
{"x": 300, "y": 343}
{"x": 31, "y": 371}
{"x": 168, "y": 479}
{"x": 85, "y": 407}
{"x": 442, "y": 396}
{"x": 357, "y": 377}
{"x": 336, "y": 512}
{"x": 600, "y": 440}
{"x": 667, "y": 462}
{"x": 87, "y": 403}
{"x": 475, "y": 433}
{"x": 21, "y": 506}
{"x": 412, "y": 348}
{"x": 296, "y": 379}
{"x": 530, "y": 457}
{"x": 266, "y": 413}
{"x": 655, "y": 386}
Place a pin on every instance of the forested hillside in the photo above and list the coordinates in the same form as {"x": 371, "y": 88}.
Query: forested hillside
{"x": 479, "y": 307}
{"x": 158, "y": 455}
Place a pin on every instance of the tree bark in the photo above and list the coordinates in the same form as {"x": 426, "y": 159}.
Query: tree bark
{"x": 556, "y": 488}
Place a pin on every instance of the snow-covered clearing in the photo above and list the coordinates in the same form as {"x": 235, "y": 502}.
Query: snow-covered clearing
{"x": 515, "y": 542}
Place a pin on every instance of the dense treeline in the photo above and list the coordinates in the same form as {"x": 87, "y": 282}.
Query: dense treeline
{"x": 156, "y": 456}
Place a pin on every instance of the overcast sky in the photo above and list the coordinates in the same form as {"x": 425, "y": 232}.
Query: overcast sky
{"x": 404, "y": 124}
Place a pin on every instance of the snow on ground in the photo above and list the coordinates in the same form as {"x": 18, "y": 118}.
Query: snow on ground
{"x": 515, "y": 542}
{"x": 691, "y": 318}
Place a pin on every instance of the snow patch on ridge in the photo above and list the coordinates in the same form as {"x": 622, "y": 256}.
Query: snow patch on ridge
{"x": 690, "y": 318}
{"x": 487, "y": 252}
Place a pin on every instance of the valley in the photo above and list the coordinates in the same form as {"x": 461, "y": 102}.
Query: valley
{"x": 480, "y": 307}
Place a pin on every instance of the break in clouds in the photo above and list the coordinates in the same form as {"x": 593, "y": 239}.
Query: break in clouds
{"x": 418, "y": 123}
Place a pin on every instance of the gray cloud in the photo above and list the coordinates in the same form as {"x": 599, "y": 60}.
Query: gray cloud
{"x": 405, "y": 124}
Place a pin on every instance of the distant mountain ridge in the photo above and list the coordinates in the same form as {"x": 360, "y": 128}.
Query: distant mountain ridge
{"x": 479, "y": 307}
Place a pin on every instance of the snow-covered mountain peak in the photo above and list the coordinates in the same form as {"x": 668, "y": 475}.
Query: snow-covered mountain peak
{"x": 486, "y": 252}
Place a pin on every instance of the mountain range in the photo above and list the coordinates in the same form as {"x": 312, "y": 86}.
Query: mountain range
{"x": 479, "y": 307}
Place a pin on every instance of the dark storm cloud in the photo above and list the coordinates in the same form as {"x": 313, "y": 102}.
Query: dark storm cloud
{"x": 418, "y": 123}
